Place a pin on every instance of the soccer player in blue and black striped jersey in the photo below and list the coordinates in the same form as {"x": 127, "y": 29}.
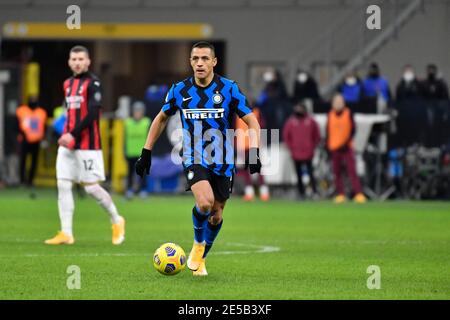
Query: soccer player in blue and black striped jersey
{"x": 207, "y": 104}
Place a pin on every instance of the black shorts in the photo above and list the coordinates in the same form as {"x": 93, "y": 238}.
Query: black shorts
{"x": 222, "y": 186}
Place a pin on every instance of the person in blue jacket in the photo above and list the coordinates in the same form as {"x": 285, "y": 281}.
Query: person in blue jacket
{"x": 375, "y": 85}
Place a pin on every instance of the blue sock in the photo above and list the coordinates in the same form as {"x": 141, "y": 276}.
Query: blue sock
{"x": 211, "y": 233}
{"x": 199, "y": 219}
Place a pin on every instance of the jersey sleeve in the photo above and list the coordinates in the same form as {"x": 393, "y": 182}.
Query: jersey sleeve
{"x": 94, "y": 94}
{"x": 170, "y": 107}
{"x": 240, "y": 102}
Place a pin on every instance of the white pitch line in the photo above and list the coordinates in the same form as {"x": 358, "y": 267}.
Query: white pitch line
{"x": 260, "y": 249}
{"x": 257, "y": 249}
{"x": 300, "y": 240}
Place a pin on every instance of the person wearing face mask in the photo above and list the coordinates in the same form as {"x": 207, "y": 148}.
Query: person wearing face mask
{"x": 351, "y": 89}
{"x": 273, "y": 101}
{"x": 301, "y": 135}
{"x": 375, "y": 85}
{"x": 408, "y": 87}
{"x": 31, "y": 120}
{"x": 434, "y": 86}
{"x": 274, "y": 87}
{"x": 436, "y": 95}
{"x": 305, "y": 87}
{"x": 339, "y": 141}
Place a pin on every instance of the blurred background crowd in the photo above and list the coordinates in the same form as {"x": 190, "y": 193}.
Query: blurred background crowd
{"x": 348, "y": 127}
{"x": 395, "y": 144}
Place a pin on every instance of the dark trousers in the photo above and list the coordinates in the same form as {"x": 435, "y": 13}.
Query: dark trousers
{"x": 132, "y": 175}
{"x": 248, "y": 178}
{"x": 25, "y": 150}
{"x": 340, "y": 158}
{"x": 309, "y": 169}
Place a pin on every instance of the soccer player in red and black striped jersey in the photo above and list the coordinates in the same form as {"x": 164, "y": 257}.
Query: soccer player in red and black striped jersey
{"x": 80, "y": 158}
{"x": 83, "y": 101}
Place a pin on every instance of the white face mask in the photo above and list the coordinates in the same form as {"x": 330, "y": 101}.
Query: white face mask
{"x": 268, "y": 76}
{"x": 351, "y": 81}
{"x": 302, "y": 77}
{"x": 408, "y": 76}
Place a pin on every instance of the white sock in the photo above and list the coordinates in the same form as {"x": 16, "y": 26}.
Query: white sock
{"x": 104, "y": 199}
{"x": 249, "y": 191}
{"x": 65, "y": 205}
{"x": 264, "y": 190}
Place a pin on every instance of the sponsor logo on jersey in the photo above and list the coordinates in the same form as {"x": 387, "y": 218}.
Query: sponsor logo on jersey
{"x": 74, "y": 102}
{"x": 200, "y": 114}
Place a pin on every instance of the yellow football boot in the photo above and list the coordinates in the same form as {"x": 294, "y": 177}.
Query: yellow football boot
{"x": 60, "y": 238}
{"x": 360, "y": 198}
{"x": 118, "y": 232}
{"x": 196, "y": 256}
{"x": 201, "y": 271}
{"x": 340, "y": 198}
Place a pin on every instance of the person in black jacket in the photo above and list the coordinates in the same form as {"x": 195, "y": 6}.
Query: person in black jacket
{"x": 434, "y": 86}
{"x": 408, "y": 87}
{"x": 305, "y": 87}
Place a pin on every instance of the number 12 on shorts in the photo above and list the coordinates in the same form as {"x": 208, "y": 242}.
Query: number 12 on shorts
{"x": 88, "y": 164}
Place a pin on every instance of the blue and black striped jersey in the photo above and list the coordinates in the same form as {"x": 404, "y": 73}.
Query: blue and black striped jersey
{"x": 207, "y": 116}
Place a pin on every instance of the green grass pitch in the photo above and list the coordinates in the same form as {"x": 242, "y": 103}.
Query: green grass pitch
{"x": 275, "y": 250}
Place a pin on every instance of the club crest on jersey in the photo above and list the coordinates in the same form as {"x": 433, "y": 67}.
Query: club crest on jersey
{"x": 200, "y": 114}
{"x": 217, "y": 98}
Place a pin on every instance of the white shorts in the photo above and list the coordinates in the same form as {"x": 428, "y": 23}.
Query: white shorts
{"x": 80, "y": 166}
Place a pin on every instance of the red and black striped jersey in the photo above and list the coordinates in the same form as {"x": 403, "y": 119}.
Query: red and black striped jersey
{"x": 83, "y": 100}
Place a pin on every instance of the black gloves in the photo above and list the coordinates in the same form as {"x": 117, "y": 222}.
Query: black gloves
{"x": 144, "y": 162}
{"x": 254, "y": 163}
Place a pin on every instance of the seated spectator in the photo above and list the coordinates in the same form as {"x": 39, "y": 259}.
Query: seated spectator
{"x": 409, "y": 87}
{"x": 301, "y": 135}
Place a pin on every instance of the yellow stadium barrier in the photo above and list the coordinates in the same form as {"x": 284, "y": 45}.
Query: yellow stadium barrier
{"x": 119, "y": 164}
